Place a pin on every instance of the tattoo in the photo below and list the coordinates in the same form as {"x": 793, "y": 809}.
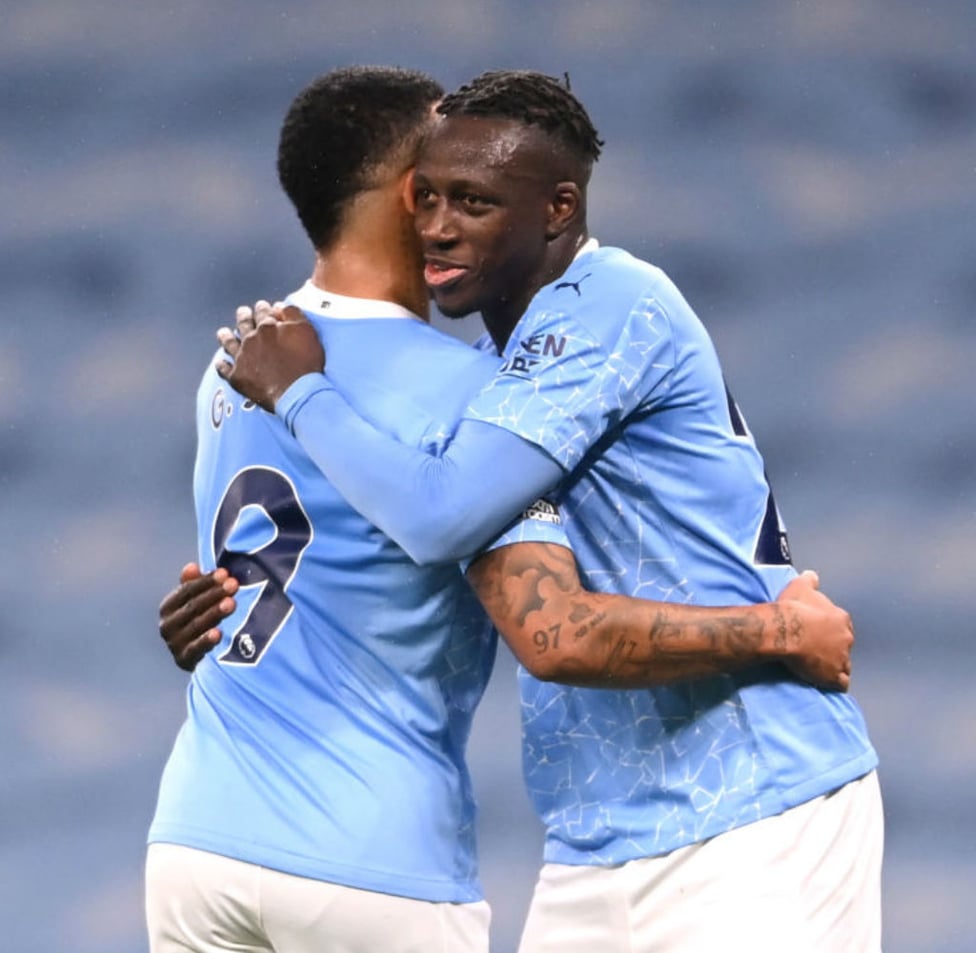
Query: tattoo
{"x": 516, "y": 581}
{"x": 619, "y": 654}
{"x": 594, "y": 620}
{"x": 532, "y": 601}
{"x": 547, "y": 638}
{"x": 730, "y": 637}
{"x": 579, "y": 611}
{"x": 745, "y": 636}
{"x": 796, "y": 629}
{"x": 665, "y": 635}
{"x": 781, "y": 639}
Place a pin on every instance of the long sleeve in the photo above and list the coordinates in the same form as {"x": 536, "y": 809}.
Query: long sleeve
{"x": 438, "y": 508}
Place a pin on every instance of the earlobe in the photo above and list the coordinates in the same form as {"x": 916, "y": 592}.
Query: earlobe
{"x": 564, "y": 209}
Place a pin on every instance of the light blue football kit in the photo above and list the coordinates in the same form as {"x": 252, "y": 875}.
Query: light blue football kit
{"x": 325, "y": 735}
{"x": 612, "y": 379}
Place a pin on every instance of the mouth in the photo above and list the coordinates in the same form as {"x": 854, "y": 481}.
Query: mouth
{"x": 442, "y": 274}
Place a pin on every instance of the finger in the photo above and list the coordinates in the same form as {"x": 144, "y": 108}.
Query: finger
{"x": 224, "y": 369}
{"x": 245, "y": 320}
{"x": 228, "y": 583}
{"x": 262, "y": 313}
{"x": 202, "y": 613}
{"x": 189, "y": 657}
{"x": 229, "y": 341}
{"x": 190, "y": 571}
{"x": 291, "y": 313}
{"x": 186, "y": 613}
{"x": 186, "y": 592}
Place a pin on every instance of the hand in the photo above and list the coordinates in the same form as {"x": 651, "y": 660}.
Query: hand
{"x": 188, "y": 616}
{"x": 819, "y": 635}
{"x": 272, "y": 348}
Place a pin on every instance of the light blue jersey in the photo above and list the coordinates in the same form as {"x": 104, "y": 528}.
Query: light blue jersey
{"x": 614, "y": 376}
{"x": 325, "y": 735}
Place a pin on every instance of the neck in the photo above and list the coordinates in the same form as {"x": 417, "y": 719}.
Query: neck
{"x": 376, "y": 254}
{"x": 501, "y": 318}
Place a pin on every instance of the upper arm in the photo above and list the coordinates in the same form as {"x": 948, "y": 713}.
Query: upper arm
{"x": 533, "y": 595}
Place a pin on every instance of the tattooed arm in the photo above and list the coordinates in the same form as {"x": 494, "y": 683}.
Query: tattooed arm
{"x": 563, "y": 633}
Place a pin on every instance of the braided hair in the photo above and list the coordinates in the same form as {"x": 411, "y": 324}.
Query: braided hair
{"x": 534, "y": 99}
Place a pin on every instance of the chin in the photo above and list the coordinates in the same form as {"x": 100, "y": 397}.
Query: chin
{"x": 453, "y": 309}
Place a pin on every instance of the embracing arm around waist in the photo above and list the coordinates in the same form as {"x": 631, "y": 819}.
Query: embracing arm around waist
{"x": 437, "y": 508}
{"x": 561, "y": 632}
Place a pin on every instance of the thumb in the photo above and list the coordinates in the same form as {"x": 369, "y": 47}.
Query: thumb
{"x": 812, "y": 576}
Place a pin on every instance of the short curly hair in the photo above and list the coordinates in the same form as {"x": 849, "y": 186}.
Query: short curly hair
{"x": 341, "y": 130}
{"x": 534, "y": 99}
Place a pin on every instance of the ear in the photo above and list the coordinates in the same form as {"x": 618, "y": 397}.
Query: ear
{"x": 564, "y": 209}
{"x": 407, "y": 191}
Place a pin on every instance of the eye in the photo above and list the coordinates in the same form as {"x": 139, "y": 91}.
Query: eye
{"x": 423, "y": 197}
{"x": 473, "y": 202}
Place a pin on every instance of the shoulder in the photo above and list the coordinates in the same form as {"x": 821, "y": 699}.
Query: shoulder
{"x": 605, "y": 279}
{"x": 626, "y": 279}
{"x": 450, "y": 360}
{"x": 406, "y": 369}
{"x": 437, "y": 344}
{"x": 605, "y": 291}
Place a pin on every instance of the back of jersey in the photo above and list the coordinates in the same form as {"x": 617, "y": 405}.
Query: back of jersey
{"x": 325, "y": 734}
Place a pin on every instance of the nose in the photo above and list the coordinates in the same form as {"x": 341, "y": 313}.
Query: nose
{"x": 436, "y": 224}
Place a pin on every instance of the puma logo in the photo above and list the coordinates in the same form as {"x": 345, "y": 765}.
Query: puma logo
{"x": 575, "y": 285}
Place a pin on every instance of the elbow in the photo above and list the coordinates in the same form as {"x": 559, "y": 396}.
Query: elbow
{"x": 560, "y": 668}
{"x": 430, "y": 551}
{"x": 423, "y": 555}
{"x": 427, "y": 538}
{"x": 541, "y": 668}
{"x": 428, "y": 548}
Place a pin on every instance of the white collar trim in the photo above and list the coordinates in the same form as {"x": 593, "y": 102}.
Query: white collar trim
{"x": 591, "y": 244}
{"x": 328, "y": 304}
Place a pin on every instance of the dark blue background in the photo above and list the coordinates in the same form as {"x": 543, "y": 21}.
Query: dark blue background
{"x": 805, "y": 171}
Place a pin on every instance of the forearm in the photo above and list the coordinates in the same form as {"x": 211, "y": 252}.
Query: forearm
{"x": 438, "y": 508}
{"x": 561, "y": 632}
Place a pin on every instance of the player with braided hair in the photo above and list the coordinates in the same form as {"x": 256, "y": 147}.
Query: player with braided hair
{"x": 739, "y": 811}
{"x": 532, "y": 98}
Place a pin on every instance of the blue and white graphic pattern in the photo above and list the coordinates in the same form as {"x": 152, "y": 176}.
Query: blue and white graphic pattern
{"x": 618, "y": 379}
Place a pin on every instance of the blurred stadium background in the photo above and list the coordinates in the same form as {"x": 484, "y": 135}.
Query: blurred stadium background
{"x": 805, "y": 171}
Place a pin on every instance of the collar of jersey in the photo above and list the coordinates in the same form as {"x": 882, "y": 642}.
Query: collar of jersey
{"x": 591, "y": 244}
{"x": 328, "y": 304}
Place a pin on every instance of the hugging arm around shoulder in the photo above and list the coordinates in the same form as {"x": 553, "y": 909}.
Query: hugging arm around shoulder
{"x": 437, "y": 508}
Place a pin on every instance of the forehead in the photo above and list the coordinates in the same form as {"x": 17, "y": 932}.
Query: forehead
{"x": 464, "y": 144}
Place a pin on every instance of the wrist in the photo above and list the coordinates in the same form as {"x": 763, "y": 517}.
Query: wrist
{"x": 778, "y": 646}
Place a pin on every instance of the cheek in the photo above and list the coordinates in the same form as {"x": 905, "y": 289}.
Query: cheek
{"x": 517, "y": 249}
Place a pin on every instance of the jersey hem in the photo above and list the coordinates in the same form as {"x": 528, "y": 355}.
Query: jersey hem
{"x": 411, "y": 885}
{"x": 629, "y": 847}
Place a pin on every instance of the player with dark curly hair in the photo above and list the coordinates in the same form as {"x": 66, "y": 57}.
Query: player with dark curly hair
{"x": 340, "y": 137}
{"x": 317, "y": 796}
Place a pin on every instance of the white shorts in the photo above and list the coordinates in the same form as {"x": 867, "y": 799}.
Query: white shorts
{"x": 805, "y": 881}
{"x": 206, "y": 903}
